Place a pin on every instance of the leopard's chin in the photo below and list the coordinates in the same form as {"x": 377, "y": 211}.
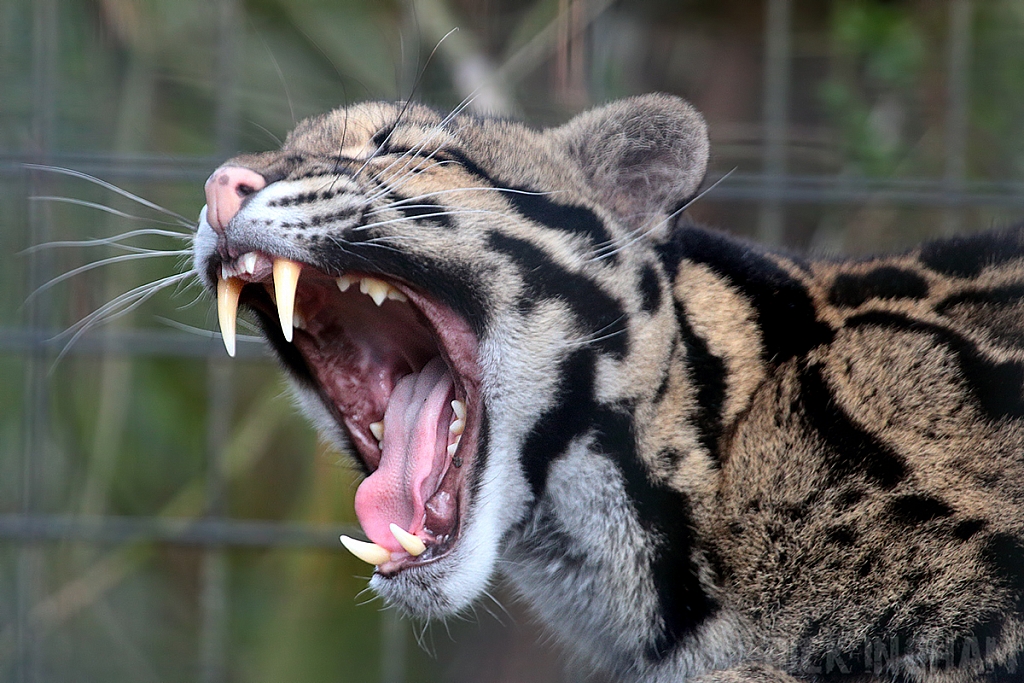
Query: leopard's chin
{"x": 397, "y": 374}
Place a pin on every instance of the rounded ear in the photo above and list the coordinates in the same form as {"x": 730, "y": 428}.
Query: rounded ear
{"x": 643, "y": 156}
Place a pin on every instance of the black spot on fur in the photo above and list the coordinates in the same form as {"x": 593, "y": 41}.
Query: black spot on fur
{"x": 665, "y": 512}
{"x": 785, "y": 311}
{"x": 995, "y": 385}
{"x": 968, "y": 528}
{"x": 848, "y": 449}
{"x": 841, "y": 534}
{"x": 886, "y": 282}
{"x": 996, "y": 296}
{"x": 849, "y": 498}
{"x": 968, "y": 256}
{"x": 601, "y": 315}
{"x": 1005, "y": 554}
{"x": 650, "y": 289}
{"x": 916, "y": 509}
{"x": 709, "y": 378}
{"x": 540, "y": 208}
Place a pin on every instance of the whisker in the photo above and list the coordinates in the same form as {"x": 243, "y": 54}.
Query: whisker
{"x": 113, "y": 188}
{"x": 403, "y": 219}
{"x": 101, "y": 241}
{"x": 98, "y": 264}
{"x": 615, "y": 247}
{"x": 112, "y": 310}
{"x": 102, "y": 207}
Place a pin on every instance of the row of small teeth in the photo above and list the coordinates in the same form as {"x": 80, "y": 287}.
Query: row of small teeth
{"x": 378, "y": 290}
{"x": 456, "y": 428}
{"x": 286, "y": 279}
{"x": 372, "y": 553}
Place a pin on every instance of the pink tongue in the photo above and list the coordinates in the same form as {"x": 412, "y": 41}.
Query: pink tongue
{"x": 412, "y": 455}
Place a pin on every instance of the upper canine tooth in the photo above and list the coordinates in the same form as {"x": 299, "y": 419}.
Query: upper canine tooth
{"x": 460, "y": 409}
{"x": 228, "y": 291}
{"x": 344, "y": 282}
{"x": 412, "y": 544}
{"x": 377, "y": 289}
{"x": 286, "y": 277}
{"x": 370, "y": 553}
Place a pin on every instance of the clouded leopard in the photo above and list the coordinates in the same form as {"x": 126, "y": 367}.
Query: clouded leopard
{"x": 696, "y": 459}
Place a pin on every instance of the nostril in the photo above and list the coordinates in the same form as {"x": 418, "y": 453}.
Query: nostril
{"x": 227, "y": 190}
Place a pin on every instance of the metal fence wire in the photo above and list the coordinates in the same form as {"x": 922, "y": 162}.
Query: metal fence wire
{"x": 767, "y": 198}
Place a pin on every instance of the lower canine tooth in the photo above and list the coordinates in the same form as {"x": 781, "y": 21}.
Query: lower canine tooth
{"x": 412, "y": 544}
{"x": 227, "y": 310}
{"x": 377, "y": 429}
{"x": 286, "y": 277}
{"x": 371, "y": 553}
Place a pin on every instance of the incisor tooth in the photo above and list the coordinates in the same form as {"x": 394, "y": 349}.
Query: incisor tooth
{"x": 377, "y": 429}
{"x": 396, "y": 295}
{"x": 413, "y": 544}
{"x": 377, "y": 289}
{"x": 227, "y": 310}
{"x": 286, "y": 277}
{"x": 460, "y": 409}
{"x": 344, "y": 282}
{"x": 452, "y": 447}
{"x": 249, "y": 262}
{"x": 371, "y": 553}
{"x": 457, "y": 427}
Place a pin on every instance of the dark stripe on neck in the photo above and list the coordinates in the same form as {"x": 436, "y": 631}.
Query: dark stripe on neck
{"x": 708, "y": 373}
{"x": 785, "y": 312}
{"x": 665, "y": 513}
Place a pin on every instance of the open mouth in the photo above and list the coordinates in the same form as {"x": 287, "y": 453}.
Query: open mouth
{"x": 397, "y": 369}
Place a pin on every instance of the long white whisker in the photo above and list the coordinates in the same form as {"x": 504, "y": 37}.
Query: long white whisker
{"x": 98, "y": 264}
{"x": 116, "y": 308}
{"x": 613, "y": 247}
{"x": 456, "y": 212}
{"x": 113, "y": 188}
{"x": 102, "y": 241}
{"x": 105, "y": 208}
{"x": 436, "y": 131}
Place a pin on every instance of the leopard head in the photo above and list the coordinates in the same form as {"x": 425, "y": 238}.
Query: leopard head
{"x": 448, "y": 294}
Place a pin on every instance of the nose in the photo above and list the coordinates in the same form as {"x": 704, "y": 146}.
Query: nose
{"x": 226, "y": 189}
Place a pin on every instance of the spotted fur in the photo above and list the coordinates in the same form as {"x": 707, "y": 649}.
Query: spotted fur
{"x": 698, "y": 459}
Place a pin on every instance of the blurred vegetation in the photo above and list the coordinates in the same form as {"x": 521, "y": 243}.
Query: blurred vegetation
{"x": 124, "y": 87}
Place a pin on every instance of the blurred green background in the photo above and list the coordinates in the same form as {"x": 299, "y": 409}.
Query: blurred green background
{"x": 164, "y": 514}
